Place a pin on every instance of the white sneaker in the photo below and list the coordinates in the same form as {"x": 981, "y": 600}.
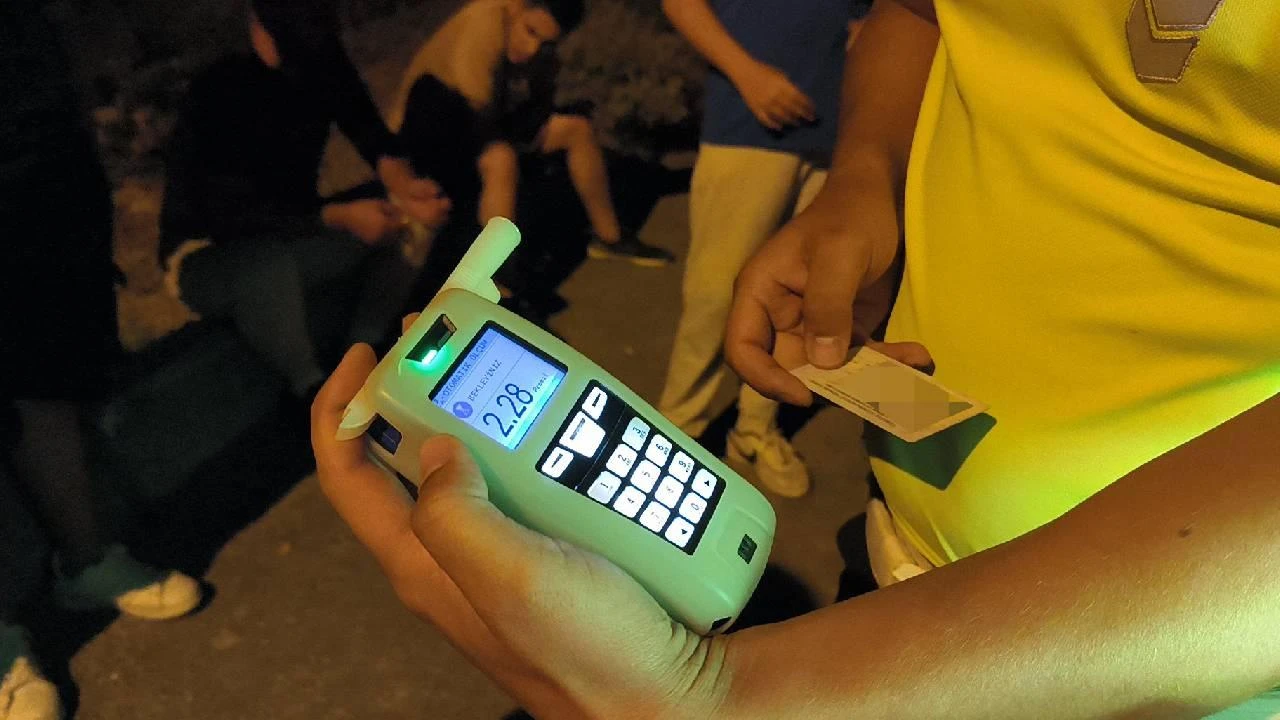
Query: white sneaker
{"x": 25, "y": 694}
{"x": 776, "y": 463}
{"x": 132, "y": 587}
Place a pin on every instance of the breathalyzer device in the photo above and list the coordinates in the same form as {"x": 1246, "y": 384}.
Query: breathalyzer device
{"x": 565, "y": 448}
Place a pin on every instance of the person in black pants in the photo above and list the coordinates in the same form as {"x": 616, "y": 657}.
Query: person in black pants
{"x": 244, "y": 233}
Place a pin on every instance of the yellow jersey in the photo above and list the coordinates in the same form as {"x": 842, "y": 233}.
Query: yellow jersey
{"x": 1093, "y": 248}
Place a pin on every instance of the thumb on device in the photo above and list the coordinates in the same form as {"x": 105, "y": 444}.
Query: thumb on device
{"x": 492, "y": 559}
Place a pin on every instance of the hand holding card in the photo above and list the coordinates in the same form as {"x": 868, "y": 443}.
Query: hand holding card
{"x": 890, "y": 395}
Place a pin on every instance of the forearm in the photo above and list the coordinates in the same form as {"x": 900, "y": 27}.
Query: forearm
{"x": 884, "y": 80}
{"x": 697, "y": 22}
{"x": 339, "y": 82}
{"x": 1154, "y": 598}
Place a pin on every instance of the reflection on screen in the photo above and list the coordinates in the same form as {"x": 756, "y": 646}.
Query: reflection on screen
{"x": 499, "y": 387}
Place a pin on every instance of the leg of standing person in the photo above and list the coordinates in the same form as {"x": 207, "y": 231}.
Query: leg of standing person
{"x": 756, "y": 435}
{"x": 60, "y": 361}
{"x": 90, "y": 572}
{"x": 738, "y": 198}
{"x": 24, "y": 692}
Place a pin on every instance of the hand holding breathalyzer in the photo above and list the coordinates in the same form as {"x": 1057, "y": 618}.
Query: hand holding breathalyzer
{"x": 562, "y": 630}
{"x": 565, "y": 448}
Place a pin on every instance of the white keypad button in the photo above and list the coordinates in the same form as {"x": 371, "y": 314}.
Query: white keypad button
{"x": 693, "y": 507}
{"x": 556, "y": 463}
{"x": 621, "y": 461}
{"x": 646, "y": 476}
{"x": 681, "y": 467}
{"x": 679, "y": 533}
{"x": 669, "y": 491}
{"x": 604, "y": 488}
{"x": 595, "y": 402}
{"x": 636, "y": 433}
{"x": 659, "y": 450}
{"x": 654, "y": 517}
{"x": 704, "y": 483}
{"x": 629, "y": 502}
{"x": 583, "y": 435}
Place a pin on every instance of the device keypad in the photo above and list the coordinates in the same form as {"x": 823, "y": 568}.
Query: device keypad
{"x": 622, "y": 463}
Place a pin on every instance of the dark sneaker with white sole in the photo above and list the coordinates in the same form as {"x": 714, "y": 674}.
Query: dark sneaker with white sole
{"x": 631, "y": 249}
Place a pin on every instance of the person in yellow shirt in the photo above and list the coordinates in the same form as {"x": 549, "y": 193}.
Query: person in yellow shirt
{"x": 1090, "y": 198}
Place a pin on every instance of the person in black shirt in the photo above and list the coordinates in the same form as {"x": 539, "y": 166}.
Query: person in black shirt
{"x": 480, "y": 94}
{"x": 243, "y": 231}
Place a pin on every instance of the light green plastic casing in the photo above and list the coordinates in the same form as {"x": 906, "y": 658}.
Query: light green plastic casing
{"x": 704, "y": 590}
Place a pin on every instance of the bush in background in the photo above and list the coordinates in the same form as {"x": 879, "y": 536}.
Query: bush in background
{"x": 644, "y": 80}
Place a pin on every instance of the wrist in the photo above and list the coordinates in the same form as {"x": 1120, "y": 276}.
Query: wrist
{"x": 740, "y": 69}
{"x": 695, "y": 688}
{"x": 705, "y": 681}
{"x": 735, "y": 697}
{"x": 864, "y": 165}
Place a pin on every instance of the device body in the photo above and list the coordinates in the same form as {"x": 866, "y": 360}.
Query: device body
{"x": 569, "y": 451}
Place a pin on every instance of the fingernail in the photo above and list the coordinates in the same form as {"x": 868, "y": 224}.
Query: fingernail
{"x": 826, "y": 352}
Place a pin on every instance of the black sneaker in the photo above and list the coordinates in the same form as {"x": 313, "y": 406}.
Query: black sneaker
{"x": 629, "y": 248}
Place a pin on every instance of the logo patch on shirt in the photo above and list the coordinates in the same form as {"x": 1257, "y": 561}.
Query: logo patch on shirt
{"x": 1163, "y": 35}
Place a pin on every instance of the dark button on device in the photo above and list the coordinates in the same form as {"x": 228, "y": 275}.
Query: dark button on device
{"x": 747, "y": 548}
{"x": 384, "y": 434}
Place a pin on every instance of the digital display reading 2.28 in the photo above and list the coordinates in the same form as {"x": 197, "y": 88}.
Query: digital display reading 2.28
{"x": 500, "y": 386}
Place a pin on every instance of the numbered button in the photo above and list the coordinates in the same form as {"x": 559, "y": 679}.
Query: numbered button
{"x": 669, "y": 491}
{"x": 646, "y": 476}
{"x": 636, "y": 433}
{"x": 557, "y": 462}
{"x": 693, "y": 507}
{"x": 659, "y": 450}
{"x": 604, "y": 488}
{"x": 679, "y": 533}
{"x": 595, "y": 402}
{"x": 583, "y": 435}
{"x": 704, "y": 483}
{"x": 654, "y": 517}
{"x": 621, "y": 461}
{"x": 682, "y": 467}
{"x": 629, "y": 502}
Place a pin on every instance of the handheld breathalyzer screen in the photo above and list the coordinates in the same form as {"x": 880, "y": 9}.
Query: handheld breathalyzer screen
{"x": 499, "y": 386}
